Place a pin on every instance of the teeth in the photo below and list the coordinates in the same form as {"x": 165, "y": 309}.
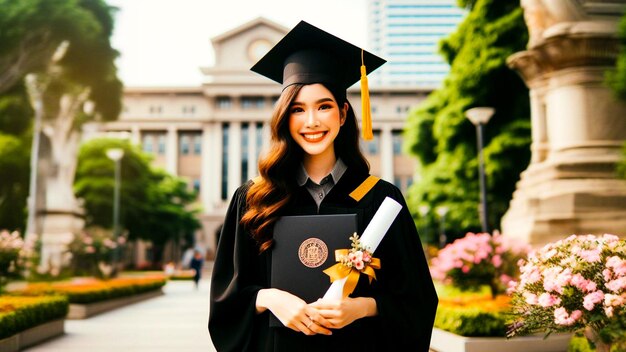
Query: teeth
{"x": 314, "y": 136}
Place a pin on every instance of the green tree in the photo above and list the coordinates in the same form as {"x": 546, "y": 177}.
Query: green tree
{"x": 155, "y": 206}
{"x": 442, "y": 138}
{"x": 617, "y": 81}
{"x": 15, "y": 138}
{"x": 30, "y": 33}
{"x": 617, "y": 78}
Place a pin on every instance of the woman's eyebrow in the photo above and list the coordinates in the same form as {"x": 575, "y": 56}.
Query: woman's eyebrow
{"x": 323, "y": 100}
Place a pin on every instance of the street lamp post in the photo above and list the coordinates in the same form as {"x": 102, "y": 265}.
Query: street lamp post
{"x": 442, "y": 211}
{"x": 116, "y": 155}
{"x": 479, "y": 117}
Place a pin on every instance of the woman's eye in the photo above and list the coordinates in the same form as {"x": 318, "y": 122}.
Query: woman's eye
{"x": 325, "y": 107}
{"x": 296, "y": 110}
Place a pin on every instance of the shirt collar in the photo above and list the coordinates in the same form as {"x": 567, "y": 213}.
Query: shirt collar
{"x": 338, "y": 170}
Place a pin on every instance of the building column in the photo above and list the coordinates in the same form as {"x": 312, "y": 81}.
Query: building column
{"x": 386, "y": 154}
{"x": 171, "y": 151}
{"x": 252, "y": 152}
{"x": 211, "y": 177}
{"x": 234, "y": 157}
{"x": 135, "y": 135}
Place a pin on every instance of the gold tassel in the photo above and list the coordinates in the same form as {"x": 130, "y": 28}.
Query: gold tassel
{"x": 368, "y": 135}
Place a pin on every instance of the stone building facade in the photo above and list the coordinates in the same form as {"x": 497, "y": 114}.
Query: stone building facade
{"x": 212, "y": 135}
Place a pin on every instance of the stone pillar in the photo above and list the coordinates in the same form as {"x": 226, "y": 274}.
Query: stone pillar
{"x": 135, "y": 135}
{"x": 234, "y": 158}
{"x": 253, "y": 153}
{"x": 386, "y": 154}
{"x": 578, "y": 126}
{"x": 171, "y": 151}
{"x": 207, "y": 177}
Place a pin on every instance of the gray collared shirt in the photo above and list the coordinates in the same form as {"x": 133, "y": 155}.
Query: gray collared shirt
{"x": 319, "y": 191}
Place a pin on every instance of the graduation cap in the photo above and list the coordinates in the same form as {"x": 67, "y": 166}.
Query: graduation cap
{"x": 308, "y": 55}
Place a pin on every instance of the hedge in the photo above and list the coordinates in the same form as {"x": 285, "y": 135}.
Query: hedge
{"x": 471, "y": 314}
{"x": 20, "y": 313}
{"x": 93, "y": 290}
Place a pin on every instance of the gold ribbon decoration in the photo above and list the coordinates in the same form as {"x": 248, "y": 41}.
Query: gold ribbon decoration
{"x": 340, "y": 271}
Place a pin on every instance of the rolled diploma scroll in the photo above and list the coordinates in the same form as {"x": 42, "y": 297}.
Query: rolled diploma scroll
{"x": 372, "y": 235}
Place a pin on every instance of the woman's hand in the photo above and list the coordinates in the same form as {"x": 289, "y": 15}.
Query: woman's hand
{"x": 292, "y": 311}
{"x": 344, "y": 312}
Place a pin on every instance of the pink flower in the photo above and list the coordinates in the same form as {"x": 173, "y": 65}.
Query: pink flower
{"x": 613, "y": 300}
{"x": 561, "y": 317}
{"x": 530, "y": 298}
{"x": 367, "y": 257}
{"x": 359, "y": 265}
{"x": 547, "y": 300}
{"x": 617, "y": 284}
{"x": 591, "y": 299}
{"x": 590, "y": 256}
{"x": 608, "y": 311}
{"x": 497, "y": 261}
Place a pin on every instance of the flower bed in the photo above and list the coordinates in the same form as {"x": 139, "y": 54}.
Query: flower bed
{"x": 88, "y": 290}
{"x": 471, "y": 313}
{"x": 577, "y": 284}
{"x": 182, "y": 275}
{"x": 20, "y": 313}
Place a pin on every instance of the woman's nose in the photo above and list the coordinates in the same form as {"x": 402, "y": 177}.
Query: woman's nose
{"x": 311, "y": 120}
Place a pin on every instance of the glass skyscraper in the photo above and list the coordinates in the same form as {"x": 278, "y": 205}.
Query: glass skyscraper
{"x": 406, "y": 33}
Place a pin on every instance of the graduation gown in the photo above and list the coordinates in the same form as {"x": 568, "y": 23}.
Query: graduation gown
{"x": 404, "y": 291}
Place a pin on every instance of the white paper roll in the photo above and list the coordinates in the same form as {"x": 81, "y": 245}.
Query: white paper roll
{"x": 371, "y": 237}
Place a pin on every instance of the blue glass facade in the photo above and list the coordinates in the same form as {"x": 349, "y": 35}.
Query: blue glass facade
{"x": 407, "y": 33}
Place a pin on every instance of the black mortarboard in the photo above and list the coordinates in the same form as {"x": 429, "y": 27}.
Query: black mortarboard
{"x": 310, "y": 55}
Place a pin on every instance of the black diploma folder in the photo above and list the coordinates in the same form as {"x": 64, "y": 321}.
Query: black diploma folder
{"x": 304, "y": 246}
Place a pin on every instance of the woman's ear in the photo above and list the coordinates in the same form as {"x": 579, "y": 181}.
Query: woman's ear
{"x": 343, "y": 114}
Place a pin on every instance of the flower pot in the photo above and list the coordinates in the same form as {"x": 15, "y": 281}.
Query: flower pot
{"x": 444, "y": 341}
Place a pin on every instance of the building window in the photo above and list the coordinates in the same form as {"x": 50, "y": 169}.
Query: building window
{"x": 161, "y": 144}
{"x": 224, "y": 103}
{"x": 397, "y": 181}
{"x": 252, "y": 103}
{"x": 245, "y": 140}
{"x": 148, "y": 143}
{"x": 259, "y": 137}
{"x": 189, "y": 109}
{"x": 197, "y": 144}
{"x": 396, "y": 138}
{"x": 156, "y": 109}
{"x": 196, "y": 185}
{"x": 225, "y": 131}
{"x": 373, "y": 147}
{"x": 184, "y": 144}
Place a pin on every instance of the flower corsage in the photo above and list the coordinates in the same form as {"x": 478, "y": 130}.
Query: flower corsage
{"x": 351, "y": 263}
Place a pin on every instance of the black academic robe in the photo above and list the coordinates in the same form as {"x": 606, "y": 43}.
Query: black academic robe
{"x": 404, "y": 291}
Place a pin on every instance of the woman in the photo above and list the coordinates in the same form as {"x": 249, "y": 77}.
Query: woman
{"x": 314, "y": 166}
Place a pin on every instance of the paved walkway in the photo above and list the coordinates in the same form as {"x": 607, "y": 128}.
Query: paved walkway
{"x": 175, "y": 322}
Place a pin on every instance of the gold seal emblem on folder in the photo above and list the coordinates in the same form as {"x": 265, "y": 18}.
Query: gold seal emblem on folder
{"x": 313, "y": 252}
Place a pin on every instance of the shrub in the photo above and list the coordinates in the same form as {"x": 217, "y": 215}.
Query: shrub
{"x": 479, "y": 259}
{"x": 574, "y": 284}
{"x": 92, "y": 290}
{"x": 14, "y": 253}
{"x": 20, "y": 313}
{"x": 471, "y": 313}
{"x": 91, "y": 250}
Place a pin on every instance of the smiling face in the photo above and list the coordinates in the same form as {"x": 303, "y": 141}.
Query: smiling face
{"x": 315, "y": 120}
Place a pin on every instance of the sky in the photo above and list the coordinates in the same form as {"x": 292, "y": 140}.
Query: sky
{"x": 164, "y": 42}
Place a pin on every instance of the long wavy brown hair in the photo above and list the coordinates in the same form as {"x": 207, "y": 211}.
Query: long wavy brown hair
{"x": 267, "y": 199}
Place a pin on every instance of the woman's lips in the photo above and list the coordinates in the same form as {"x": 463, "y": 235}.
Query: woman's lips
{"x": 313, "y": 137}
